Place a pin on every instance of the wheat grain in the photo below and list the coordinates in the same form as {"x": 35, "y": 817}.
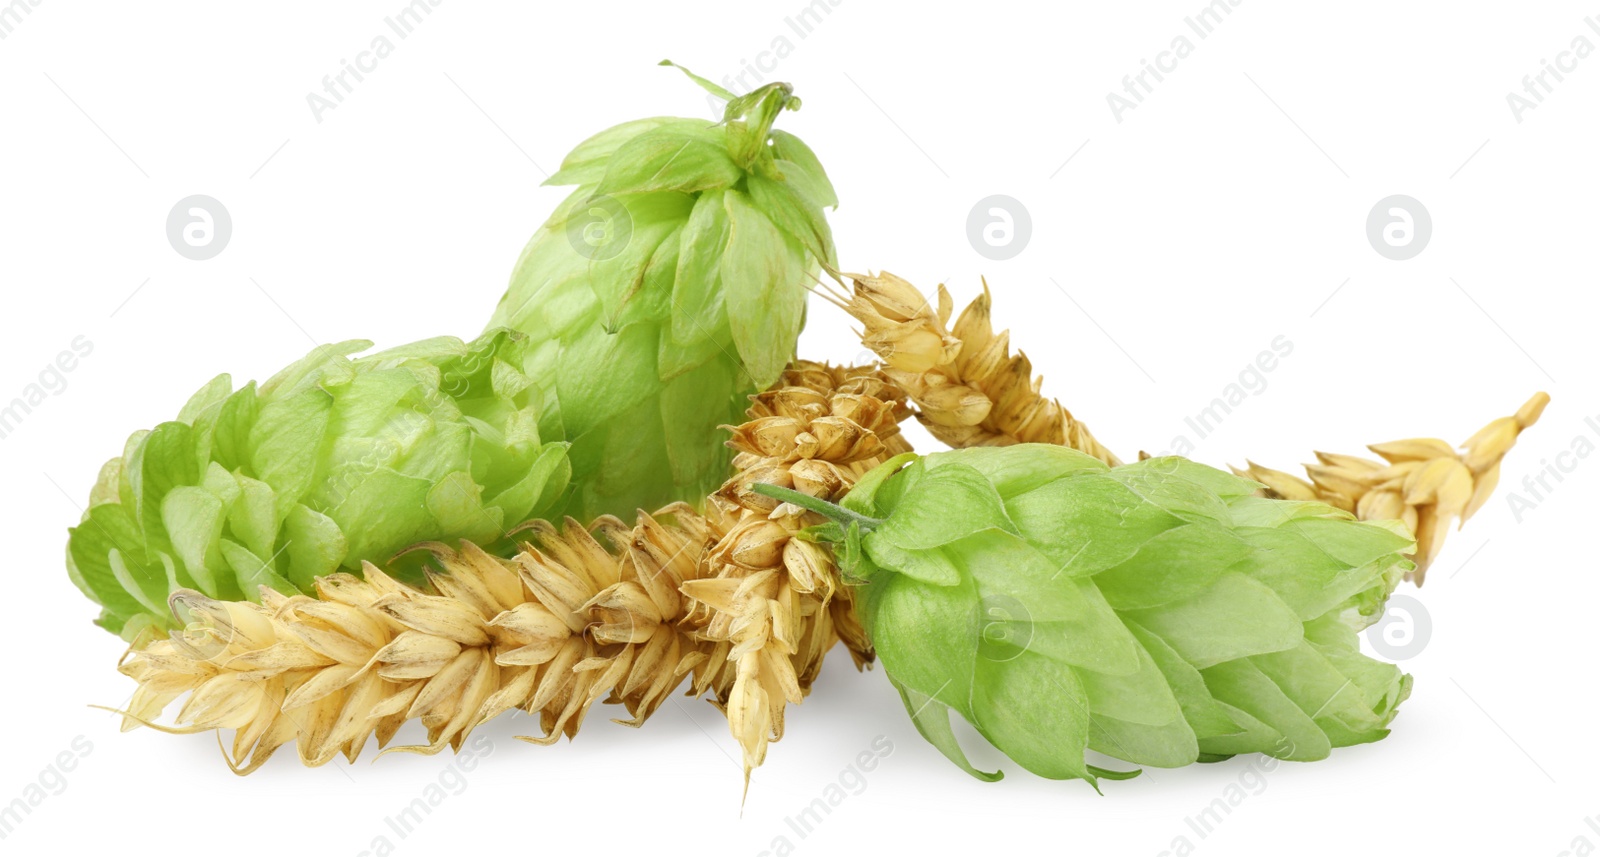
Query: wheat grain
{"x": 773, "y": 602}
{"x": 1425, "y": 482}
{"x": 968, "y": 386}
{"x": 577, "y": 616}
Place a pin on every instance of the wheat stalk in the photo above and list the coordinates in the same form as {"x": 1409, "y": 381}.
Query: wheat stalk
{"x": 969, "y": 388}
{"x": 971, "y": 391}
{"x": 610, "y": 612}
{"x": 1425, "y": 482}
{"x": 773, "y": 601}
{"x": 575, "y": 617}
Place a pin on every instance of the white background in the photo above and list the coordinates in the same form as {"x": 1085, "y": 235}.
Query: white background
{"x": 1224, "y": 211}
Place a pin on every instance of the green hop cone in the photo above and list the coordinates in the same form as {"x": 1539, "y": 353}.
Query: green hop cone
{"x": 334, "y": 461}
{"x": 666, "y": 289}
{"x": 1158, "y": 613}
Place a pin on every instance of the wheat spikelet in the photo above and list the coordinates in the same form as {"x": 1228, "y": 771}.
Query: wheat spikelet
{"x": 574, "y": 618}
{"x": 578, "y": 615}
{"x": 771, "y": 602}
{"x": 969, "y": 388}
{"x": 1424, "y": 482}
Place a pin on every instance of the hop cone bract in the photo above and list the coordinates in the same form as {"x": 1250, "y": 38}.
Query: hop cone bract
{"x": 668, "y": 288}
{"x": 1158, "y": 613}
{"x": 334, "y": 461}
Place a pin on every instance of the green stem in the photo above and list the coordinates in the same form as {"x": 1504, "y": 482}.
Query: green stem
{"x": 832, "y": 511}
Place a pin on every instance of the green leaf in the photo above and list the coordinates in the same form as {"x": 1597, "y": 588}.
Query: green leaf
{"x": 195, "y": 517}
{"x": 314, "y": 545}
{"x": 230, "y": 434}
{"x": 586, "y": 164}
{"x": 288, "y": 440}
{"x": 764, "y": 289}
{"x": 1092, "y": 638}
{"x": 1171, "y": 744}
{"x": 1351, "y": 544}
{"x": 1087, "y": 522}
{"x": 947, "y": 505}
{"x": 252, "y": 572}
{"x": 697, "y": 295}
{"x": 1036, "y": 712}
{"x": 1141, "y": 697}
{"x": 676, "y": 160}
{"x": 787, "y": 147}
{"x": 1241, "y": 684}
{"x": 534, "y": 494}
{"x": 206, "y": 399}
{"x": 1306, "y": 578}
{"x": 253, "y": 520}
{"x": 693, "y": 406}
{"x": 385, "y": 512}
{"x": 703, "y": 83}
{"x": 787, "y": 207}
{"x": 1235, "y": 617}
{"x": 1178, "y": 497}
{"x": 1018, "y": 469}
{"x": 1204, "y": 716}
{"x": 932, "y": 719}
{"x": 1172, "y": 566}
{"x": 862, "y": 498}
{"x": 327, "y": 361}
{"x": 456, "y": 503}
{"x": 931, "y": 566}
{"x": 926, "y": 636}
{"x": 106, "y": 528}
{"x": 622, "y": 277}
{"x": 164, "y": 461}
{"x": 146, "y": 585}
